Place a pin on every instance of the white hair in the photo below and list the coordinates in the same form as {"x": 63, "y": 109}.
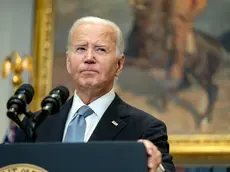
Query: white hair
{"x": 90, "y": 19}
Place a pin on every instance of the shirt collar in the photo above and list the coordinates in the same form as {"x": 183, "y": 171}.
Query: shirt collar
{"x": 99, "y": 105}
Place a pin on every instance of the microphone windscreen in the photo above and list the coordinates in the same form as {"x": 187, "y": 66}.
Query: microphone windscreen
{"x": 63, "y": 91}
{"x": 26, "y": 89}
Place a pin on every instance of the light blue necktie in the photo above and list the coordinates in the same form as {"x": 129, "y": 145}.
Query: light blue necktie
{"x": 76, "y": 128}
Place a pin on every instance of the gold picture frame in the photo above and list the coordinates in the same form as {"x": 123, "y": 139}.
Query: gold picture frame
{"x": 186, "y": 149}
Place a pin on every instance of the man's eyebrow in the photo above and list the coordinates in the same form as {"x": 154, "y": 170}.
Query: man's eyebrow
{"x": 100, "y": 45}
{"x": 80, "y": 44}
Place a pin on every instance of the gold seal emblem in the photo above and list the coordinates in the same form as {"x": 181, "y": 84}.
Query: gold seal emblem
{"x": 22, "y": 168}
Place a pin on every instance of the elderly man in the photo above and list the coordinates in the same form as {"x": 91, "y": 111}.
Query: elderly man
{"x": 94, "y": 59}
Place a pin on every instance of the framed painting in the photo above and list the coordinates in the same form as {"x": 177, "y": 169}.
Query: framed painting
{"x": 157, "y": 33}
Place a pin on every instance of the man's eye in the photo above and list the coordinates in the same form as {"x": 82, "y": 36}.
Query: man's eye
{"x": 101, "y": 50}
{"x": 80, "y": 49}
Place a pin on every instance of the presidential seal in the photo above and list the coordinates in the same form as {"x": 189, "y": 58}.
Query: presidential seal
{"x": 22, "y": 168}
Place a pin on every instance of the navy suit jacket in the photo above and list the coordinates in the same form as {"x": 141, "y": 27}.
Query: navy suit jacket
{"x": 133, "y": 123}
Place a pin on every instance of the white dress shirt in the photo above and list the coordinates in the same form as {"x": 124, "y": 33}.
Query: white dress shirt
{"x": 99, "y": 106}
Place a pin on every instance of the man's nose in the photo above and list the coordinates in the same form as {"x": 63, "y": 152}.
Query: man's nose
{"x": 89, "y": 56}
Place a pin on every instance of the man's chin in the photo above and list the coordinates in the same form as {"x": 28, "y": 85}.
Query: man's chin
{"x": 88, "y": 85}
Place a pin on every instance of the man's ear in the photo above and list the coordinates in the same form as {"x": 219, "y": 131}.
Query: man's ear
{"x": 68, "y": 63}
{"x": 120, "y": 65}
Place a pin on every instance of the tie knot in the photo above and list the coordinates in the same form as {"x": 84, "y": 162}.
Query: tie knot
{"x": 85, "y": 111}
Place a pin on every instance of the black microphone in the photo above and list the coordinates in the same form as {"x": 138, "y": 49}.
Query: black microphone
{"x": 17, "y": 104}
{"x": 51, "y": 104}
{"x": 56, "y": 98}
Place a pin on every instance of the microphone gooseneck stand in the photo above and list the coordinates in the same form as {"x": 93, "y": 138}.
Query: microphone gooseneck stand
{"x": 29, "y": 130}
{"x": 29, "y": 123}
{"x": 18, "y": 105}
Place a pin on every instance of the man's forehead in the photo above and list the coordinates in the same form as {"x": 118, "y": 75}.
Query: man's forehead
{"x": 99, "y": 28}
{"x": 97, "y": 32}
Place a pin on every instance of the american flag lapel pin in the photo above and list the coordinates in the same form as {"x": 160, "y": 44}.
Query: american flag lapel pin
{"x": 114, "y": 123}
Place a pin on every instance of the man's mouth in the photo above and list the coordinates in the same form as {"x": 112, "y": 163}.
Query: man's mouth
{"x": 89, "y": 71}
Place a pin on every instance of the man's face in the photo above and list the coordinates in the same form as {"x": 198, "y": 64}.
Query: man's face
{"x": 91, "y": 60}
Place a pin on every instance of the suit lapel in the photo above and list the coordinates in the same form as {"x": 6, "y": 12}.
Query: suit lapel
{"x": 111, "y": 123}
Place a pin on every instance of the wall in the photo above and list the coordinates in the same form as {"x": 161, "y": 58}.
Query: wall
{"x": 16, "y": 26}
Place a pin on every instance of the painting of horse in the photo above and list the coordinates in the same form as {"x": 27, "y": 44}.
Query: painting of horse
{"x": 200, "y": 103}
